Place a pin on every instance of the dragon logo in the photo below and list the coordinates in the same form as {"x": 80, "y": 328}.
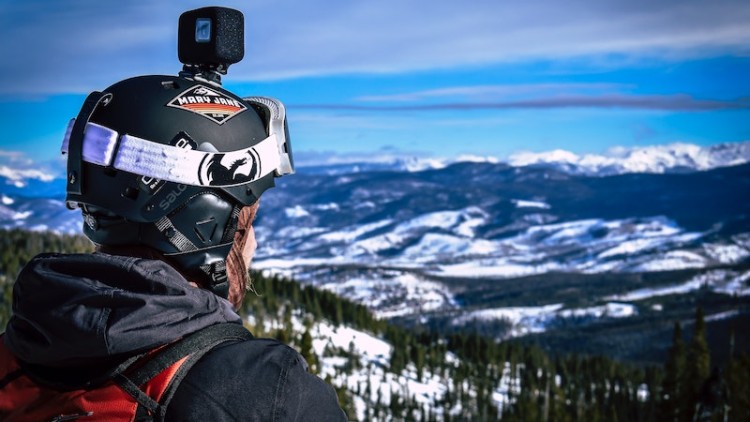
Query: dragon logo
{"x": 221, "y": 170}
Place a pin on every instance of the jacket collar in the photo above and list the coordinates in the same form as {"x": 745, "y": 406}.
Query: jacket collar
{"x": 73, "y": 310}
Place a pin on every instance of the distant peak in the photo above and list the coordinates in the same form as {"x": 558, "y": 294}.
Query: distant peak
{"x": 650, "y": 159}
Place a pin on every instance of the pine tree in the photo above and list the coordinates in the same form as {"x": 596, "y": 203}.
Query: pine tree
{"x": 281, "y": 335}
{"x": 673, "y": 389}
{"x": 288, "y": 327}
{"x": 352, "y": 361}
{"x": 307, "y": 352}
{"x": 699, "y": 363}
{"x": 399, "y": 355}
{"x": 6, "y": 300}
{"x": 418, "y": 357}
{"x": 338, "y": 312}
{"x": 737, "y": 375}
{"x": 345, "y": 401}
{"x": 653, "y": 378}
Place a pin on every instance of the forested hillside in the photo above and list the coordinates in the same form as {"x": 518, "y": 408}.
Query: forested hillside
{"x": 384, "y": 372}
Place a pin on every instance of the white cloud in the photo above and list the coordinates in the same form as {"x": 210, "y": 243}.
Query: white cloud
{"x": 18, "y": 175}
{"x": 479, "y": 92}
{"x": 13, "y": 156}
{"x": 17, "y": 167}
{"x": 86, "y": 44}
{"x": 383, "y": 156}
{"x": 344, "y": 36}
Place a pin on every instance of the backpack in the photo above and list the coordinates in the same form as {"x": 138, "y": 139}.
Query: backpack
{"x": 138, "y": 389}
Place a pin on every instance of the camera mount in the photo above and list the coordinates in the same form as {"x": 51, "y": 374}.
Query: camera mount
{"x": 209, "y": 40}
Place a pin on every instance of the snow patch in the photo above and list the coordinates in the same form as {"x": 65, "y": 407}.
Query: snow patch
{"x": 672, "y": 260}
{"x": 434, "y": 246}
{"x": 394, "y": 293}
{"x": 296, "y": 212}
{"x": 486, "y": 268}
{"x": 610, "y": 310}
{"x": 720, "y": 281}
{"x": 524, "y": 320}
{"x": 23, "y": 216}
{"x": 348, "y": 234}
{"x": 527, "y": 320}
{"x": 521, "y": 203}
{"x": 722, "y": 315}
{"x": 727, "y": 253}
{"x": 332, "y": 206}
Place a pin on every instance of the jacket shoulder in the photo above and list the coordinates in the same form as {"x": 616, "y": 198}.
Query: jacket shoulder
{"x": 257, "y": 379}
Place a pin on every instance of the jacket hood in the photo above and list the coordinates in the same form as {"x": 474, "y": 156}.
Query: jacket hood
{"x": 73, "y": 310}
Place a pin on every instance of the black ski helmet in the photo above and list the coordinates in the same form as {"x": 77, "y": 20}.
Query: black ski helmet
{"x": 168, "y": 162}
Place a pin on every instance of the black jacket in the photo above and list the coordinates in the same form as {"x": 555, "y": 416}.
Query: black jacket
{"x": 75, "y": 315}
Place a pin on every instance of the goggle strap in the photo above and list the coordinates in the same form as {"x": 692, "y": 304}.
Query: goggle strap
{"x": 75, "y": 131}
{"x": 175, "y": 164}
{"x": 277, "y": 124}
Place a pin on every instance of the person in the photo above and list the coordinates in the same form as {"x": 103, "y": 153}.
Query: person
{"x": 167, "y": 172}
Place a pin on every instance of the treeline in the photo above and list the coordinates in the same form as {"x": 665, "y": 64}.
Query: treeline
{"x": 694, "y": 390}
{"x": 483, "y": 379}
{"x": 533, "y": 385}
{"x": 17, "y": 247}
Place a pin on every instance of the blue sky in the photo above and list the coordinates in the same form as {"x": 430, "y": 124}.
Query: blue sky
{"x": 408, "y": 78}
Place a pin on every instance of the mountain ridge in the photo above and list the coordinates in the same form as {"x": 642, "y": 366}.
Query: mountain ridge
{"x": 436, "y": 245}
{"x": 669, "y": 158}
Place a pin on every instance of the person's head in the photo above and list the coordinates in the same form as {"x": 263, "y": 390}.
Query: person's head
{"x": 176, "y": 165}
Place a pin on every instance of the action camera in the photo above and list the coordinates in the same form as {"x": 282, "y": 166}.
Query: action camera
{"x": 210, "y": 39}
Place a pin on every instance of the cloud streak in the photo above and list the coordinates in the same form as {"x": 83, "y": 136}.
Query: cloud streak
{"x": 397, "y": 36}
{"x": 82, "y": 45}
{"x": 640, "y": 102}
{"x": 24, "y": 167}
{"x": 484, "y": 91}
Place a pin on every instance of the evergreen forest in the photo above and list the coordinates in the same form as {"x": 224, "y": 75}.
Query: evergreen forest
{"x": 484, "y": 380}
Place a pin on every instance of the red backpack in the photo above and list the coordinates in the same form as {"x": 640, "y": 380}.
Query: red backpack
{"x": 137, "y": 390}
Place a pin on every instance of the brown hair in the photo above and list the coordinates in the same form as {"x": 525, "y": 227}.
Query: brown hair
{"x": 237, "y": 268}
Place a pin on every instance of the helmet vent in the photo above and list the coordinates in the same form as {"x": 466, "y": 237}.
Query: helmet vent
{"x": 130, "y": 193}
{"x": 205, "y": 229}
{"x": 169, "y": 85}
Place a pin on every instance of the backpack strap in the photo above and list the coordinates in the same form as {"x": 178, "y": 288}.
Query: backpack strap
{"x": 187, "y": 352}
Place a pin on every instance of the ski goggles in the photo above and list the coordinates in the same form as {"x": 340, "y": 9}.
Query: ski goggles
{"x": 97, "y": 144}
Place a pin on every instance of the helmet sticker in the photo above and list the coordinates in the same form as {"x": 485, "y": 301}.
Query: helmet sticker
{"x": 225, "y": 169}
{"x": 209, "y": 103}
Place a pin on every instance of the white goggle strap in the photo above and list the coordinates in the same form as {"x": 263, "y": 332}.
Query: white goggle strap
{"x": 75, "y": 163}
{"x": 105, "y": 147}
{"x": 277, "y": 125}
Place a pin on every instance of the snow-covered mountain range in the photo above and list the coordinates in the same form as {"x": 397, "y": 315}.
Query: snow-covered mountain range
{"x": 473, "y": 241}
{"x": 677, "y": 157}
{"x": 655, "y": 159}
{"x": 445, "y": 242}
{"x": 27, "y": 178}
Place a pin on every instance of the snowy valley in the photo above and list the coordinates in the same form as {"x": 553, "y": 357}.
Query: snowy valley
{"x": 545, "y": 243}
